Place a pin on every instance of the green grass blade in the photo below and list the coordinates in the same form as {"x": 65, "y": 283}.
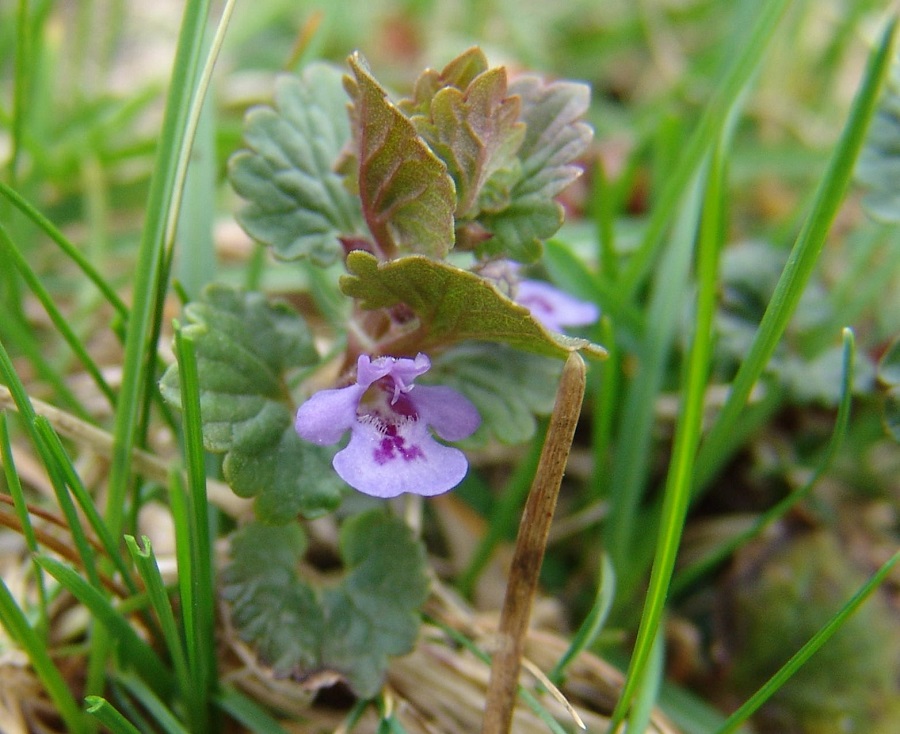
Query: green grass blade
{"x": 687, "y": 438}
{"x": 136, "y": 376}
{"x": 20, "y": 506}
{"x": 153, "y": 704}
{"x": 17, "y": 332}
{"x": 803, "y": 257}
{"x": 199, "y": 594}
{"x": 16, "y": 624}
{"x": 593, "y": 623}
{"x": 692, "y": 573}
{"x": 606, "y": 384}
{"x": 59, "y": 320}
{"x": 648, "y": 692}
{"x": 809, "y": 649}
{"x": 21, "y": 85}
{"x": 134, "y": 651}
{"x": 68, "y": 248}
{"x": 708, "y": 129}
{"x": 82, "y": 496}
{"x": 109, "y": 716}
{"x": 247, "y": 712}
{"x": 630, "y": 467}
{"x": 147, "y": 567}
{"x": 195, "y": 189}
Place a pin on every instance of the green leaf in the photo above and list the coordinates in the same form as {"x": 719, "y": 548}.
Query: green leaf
{"x": 296, "y": 201}
{"x": 555, "y": 136}
{"x": 508, "y": 387}
{"x": 452, "y": 305}
{"x": 408, "y": 198}
{"x": 473, "y": 128}
{"x": 374, "y": 612}
{"x": 244, "y": 346}
{"x": 351, "y": 628}
{"x": 269, "y": 605}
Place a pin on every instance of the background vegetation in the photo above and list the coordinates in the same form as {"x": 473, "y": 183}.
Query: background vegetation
{"x": 739, "y": 421}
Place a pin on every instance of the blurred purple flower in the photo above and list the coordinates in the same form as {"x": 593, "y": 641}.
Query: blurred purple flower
{"x": 552, "y": 307}
{"x": 391, "y": 449}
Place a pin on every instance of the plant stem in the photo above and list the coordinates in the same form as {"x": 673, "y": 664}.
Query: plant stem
{"x": 530, "y": 545}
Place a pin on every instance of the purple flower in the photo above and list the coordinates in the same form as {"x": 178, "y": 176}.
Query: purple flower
{"x": 391, "y": 449}
{"x": 552, "y": 307}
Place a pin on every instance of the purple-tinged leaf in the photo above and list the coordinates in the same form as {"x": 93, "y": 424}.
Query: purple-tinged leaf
{"x": 475, "y": 131}
{"x": 459, "y": 73}
{"x": 407, "y": 195}
{"x": 555, "y": 136}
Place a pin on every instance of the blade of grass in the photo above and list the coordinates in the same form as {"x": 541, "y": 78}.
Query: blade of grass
{"x": 593, "y": 623}
{"x": 200, "y": 114}
{"x": 134, "y": 651}
{"x": 18, "y": 496}
{"x": 59, "y": 320}
{"x": 34, "y": 645}
{"x": 809, "y": 649}
{"x": 803, "y": 257}
{"x": 630, "y": 467}
{"x": 139, "y": 349}
{"x": 199, "y": 593}
{"x": 247, "y": 712}
{"x": 691, "y": 573}
{"x": 84, "y": 499}
{"x": 147, "y": 567}
{"x": 708, "y": 128}
{"x": 68, "y": 248}
{"x": 15, "y": 330}
{"x": 677, "y": 491}
{"x": 605, "y": 385}
{"x": 21, "y": 85}
{"x": 645, "y": 700}
{"x": 109, "y": 716}
{"x": 153, "y": 704}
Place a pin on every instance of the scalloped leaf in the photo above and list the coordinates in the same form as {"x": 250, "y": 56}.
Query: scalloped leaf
{"x": 452, "y": 305}
{"x": 459, "y": 73}
{"x": 270, "y": 607}
{"x": 350, "y": 629}
{"x": 509, "y": 388}
{"x": 373, "y": 614}
{"x": 472, "y": 125}
{"x": 244, "y": 347}
{"x": 407, "y": 195}
{"x": 296, "y": 201}
{"x": 555, "y": 136}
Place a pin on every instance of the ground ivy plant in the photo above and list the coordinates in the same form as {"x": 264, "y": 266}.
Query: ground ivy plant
{"x": 433, "y": 204}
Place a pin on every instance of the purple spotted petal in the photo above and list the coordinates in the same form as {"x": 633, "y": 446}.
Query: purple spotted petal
{"x": 554, "y": 308}
{"x": 328, "y": 414}
{"x": 405, "y": 459}
{"x": 450, "y": 414}
{"x": 391, "y": 448}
